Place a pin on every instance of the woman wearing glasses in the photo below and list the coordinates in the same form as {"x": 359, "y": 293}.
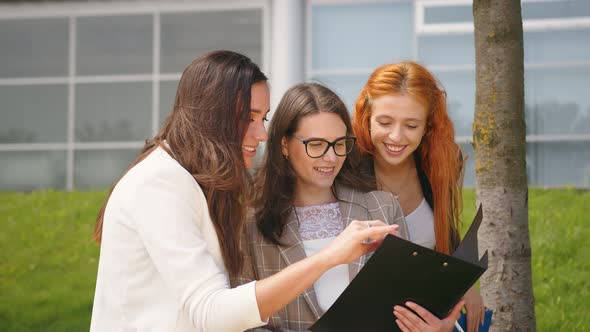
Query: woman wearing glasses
{"x": 305, "y": 198}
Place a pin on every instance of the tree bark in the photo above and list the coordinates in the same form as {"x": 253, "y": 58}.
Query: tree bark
{"x": 499, "y": 138}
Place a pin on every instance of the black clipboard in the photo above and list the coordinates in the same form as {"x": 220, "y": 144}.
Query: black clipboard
{"x": 401, "y": 271}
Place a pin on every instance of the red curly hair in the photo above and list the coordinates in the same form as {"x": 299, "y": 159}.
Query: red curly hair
{"x": 438, "y": 154}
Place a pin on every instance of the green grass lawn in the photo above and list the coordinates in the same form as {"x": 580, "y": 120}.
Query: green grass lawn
{"x": 48, "y": 260}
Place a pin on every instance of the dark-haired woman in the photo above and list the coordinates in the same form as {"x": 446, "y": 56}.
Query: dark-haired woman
{"x": 308, "y": 190}
{"x": 171, "y": 226}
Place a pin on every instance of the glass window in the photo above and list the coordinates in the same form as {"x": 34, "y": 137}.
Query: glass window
{"x": 99, "y": 169}
{"x": 113, "y": 111}
{"x": 167, "y": 95}
{"x": 551, "y": 9}
{"x": 32, "y": 170}
{"x": 114, "y": 45}
{"x": 555, "y": 9}
{"x": 448, "y": 14}
{"x": 447, "y": 50}
{"x": 34, "y": 47}
{"x": 557, "y": 46}
{"x": 186, "y": 36}
{"x": 347, "y": 87}
{"x": 557, "y": 101}
{"x": 559, "y": 163}
{"x": 460, "y": 87}
{"x": 33, "y": 114}
{"x": 361, "y": 36}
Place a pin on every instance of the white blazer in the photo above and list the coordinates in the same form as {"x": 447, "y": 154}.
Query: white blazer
{"x": 160, "y": 266}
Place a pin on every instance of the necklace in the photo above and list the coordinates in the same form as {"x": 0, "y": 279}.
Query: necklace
{"x": 408, "y": 170}
{"x": 383, "y": 185}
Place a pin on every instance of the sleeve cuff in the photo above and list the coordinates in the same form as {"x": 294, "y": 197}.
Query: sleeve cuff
{"x": 250, "y": 305}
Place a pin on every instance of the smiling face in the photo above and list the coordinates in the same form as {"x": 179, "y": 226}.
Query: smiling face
{"x": 256, "y": 132}
{"x": 315, "y": 173}
{"x": 398, "y": 123}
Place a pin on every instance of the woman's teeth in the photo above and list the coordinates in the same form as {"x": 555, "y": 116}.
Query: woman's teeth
{"x": 324, "y": 169}
{"x": 394, "y": 148}
{"x": 249, "y": 148}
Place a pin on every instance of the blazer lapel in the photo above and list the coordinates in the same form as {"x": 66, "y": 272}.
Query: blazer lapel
{"x": 352, "y": 208}
{"x": 292, "y": 251}
{"x": 345, "y": 200}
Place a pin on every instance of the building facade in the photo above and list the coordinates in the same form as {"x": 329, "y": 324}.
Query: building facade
{"x": 83, "y": 84}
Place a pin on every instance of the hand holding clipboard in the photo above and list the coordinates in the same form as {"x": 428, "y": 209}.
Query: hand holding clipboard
{"x": 401, "y": 271}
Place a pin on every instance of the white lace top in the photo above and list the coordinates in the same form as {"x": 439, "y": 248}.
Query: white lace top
{"x": 319, "y": 221}
{"x": 318, "y": 226}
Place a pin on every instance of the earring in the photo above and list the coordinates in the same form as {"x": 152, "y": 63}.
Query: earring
{"x": 286, "y": 157}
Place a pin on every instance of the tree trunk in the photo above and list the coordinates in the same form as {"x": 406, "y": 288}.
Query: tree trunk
{"x": 500, "y": 163}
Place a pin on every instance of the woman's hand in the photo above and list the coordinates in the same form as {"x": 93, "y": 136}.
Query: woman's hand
{"x": 475, "y": 309}
{"x": 359, "y": 238}
{"x": 425, "y": 321}
{"x": 277, "y": 290}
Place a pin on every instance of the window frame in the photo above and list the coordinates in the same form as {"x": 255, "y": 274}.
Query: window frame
{"x": 73, "y": 11}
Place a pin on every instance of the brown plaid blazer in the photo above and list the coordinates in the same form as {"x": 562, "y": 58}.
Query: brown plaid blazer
{"x": 264, "y": 259}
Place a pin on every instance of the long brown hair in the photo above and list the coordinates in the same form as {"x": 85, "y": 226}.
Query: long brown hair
{"x": 204, "y": 134}
{"x": 438, "y": 156}
{"x": 275, "y": 179}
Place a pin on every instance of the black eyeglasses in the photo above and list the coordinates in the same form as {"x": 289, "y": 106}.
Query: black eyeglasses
{"x": 317, "y": 147}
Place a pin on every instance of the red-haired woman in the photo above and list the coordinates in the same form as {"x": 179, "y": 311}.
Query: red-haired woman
{"x": 401, "y": 121}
